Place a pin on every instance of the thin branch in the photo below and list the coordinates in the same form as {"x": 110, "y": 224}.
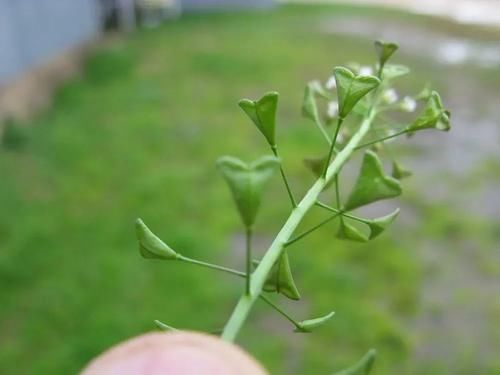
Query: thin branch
{"x": 279, "y": 310}
{"x": 302, "y": 235}
{"x": 248, "y": 237}
{"x": 274, "y": 148}
{"x": 382, "y": 139}
{"x": 332, "y": 145}
{"x": 340, "y": 212}
{"x": 211, "y": 266}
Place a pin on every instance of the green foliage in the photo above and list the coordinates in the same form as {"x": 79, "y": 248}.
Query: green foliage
{"x": 309, "y": 104}
{"x": 351, "y": 88}
{"x": 150, "y": 245}
{"x": 384, "y": 51}
{"x": 363, "y": 367}
{"x": 247, "y": 182}
{"x": 14, "y": 137}
{"x": 311, "y": 324}
{"x": 399, "y": 172}
{"x": 349, "y": 232}
{"x": 434, "y": 116}
{"x": 75, "y": 168}
{"x": 273, "y": 273}
{"x": 280, "y": 279}
{"x": 263, "y": 114}
{"x": 372, "y": 183}
{"x": 379, "y": 225}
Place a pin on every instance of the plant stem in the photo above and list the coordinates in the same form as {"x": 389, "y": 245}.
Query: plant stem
{"x": 260, "y": 274}
{"x": 332, "y": 145}
{"x": 248, "y": 238}
{"x": 323, "y": 131}
{"x": 283, "y": 176}
{"x": 164, "y": 327}
{"x": 382, "y": 139}
{"x": 340, "y": 212}
{"x": 302, "y": 235}
{"x": 211, "y": 266}
{"x": 278, "y": 309}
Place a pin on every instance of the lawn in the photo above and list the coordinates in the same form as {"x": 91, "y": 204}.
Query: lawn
{"x": 137, "y": 136}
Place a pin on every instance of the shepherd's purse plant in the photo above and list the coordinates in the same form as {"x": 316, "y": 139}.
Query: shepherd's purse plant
{"x": 361, "y": 104}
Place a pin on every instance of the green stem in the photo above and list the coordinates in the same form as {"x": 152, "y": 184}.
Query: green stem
{"x": 285, "y": 180}
{"x": 211, "y": 266}
{"x": 340, "y": 212}
{"x": 380, "y": 71}
{"x": 164, "y": 327}
{"x": 397, "y": 134}
{"x": 278, "y": 309}
{"x": 317, "y": 226}
{"x": 323, "y": 130}
{"x": 248, "y": 237}
{"x": 332, "y": 145}
{"x": 245, "y": 303}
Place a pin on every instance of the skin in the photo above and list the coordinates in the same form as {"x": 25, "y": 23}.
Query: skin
{"x": 179, "y": 353}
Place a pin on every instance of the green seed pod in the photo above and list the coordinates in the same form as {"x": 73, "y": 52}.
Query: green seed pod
{"x": 310, "y": 324}
{"x": 384, "y": 51}
{"x": 379, "y": 225}
{"x": 434, "y": 116}
{"x": 351, "y": 89}
{"x": 363, "y": 367}
{"x": 399, "y": 172}
{"x": 280, "y": 279}
{"x": 247, "y": 181}
{"x": 348, "y": 232}
{"x": 263, "y": 114}
{"x": 150, "y": 245}
{"x": 372, "y": 183}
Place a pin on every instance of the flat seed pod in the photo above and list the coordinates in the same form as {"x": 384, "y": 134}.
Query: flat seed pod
{"x": 379, "y": 225}
{"x": 372, "y": 184}
{"x": 434, "y": 116}
{"x": 316, "y": 166}
{"x": 310, "y": 324}
{"x": 351, "y": 89}
{"x": 348, "y": 232}
{"x": 384, "y": 51}
{"x": 280, "y": 279}
{"x": 309, "y": 105}
{"x": 399, "y": 172}
{"x": 363, "y": 367}
{"x": 263, "y": 114}
{"x": 247, "y": 181}
{"x": 150, "y": 245}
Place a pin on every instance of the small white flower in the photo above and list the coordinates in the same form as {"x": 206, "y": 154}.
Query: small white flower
{"x": 333, "y": 109}
{"x": 331, "y": 83}
{"x": 390, "y": 96}
{"x": 365, "y": 71}
{"x": 408, "y": 104}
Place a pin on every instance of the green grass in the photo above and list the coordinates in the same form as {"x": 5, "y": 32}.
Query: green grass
{"x": 137, "y": 135}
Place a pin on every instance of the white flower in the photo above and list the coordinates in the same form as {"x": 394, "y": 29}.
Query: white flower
{"x": 408, "y": 104}
{"x": 331, "y": 83}
{"x": 390, "y": 96}
{"x": 365, "y": 71}
{"x": 333, "y": 109}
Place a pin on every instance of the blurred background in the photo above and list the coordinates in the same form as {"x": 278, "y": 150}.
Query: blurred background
{"x": 111, "y": 110}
